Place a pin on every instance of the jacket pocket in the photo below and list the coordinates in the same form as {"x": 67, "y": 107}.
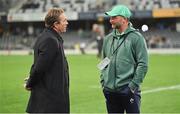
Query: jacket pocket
{"x": 104, "y": 76}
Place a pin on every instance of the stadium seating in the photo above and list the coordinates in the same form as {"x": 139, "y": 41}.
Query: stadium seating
{"x": 172, "y": 38}
{"x": 38, "y": 7}
{"x": 153, "y": 4}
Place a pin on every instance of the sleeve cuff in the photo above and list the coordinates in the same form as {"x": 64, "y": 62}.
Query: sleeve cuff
{"x": 133, "y": 86}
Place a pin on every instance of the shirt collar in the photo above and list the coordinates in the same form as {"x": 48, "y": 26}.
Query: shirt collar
{"x": 58, "y": 36}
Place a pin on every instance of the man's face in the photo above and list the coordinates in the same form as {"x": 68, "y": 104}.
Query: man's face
{"x": 117, "y": 21}
{"x": 62, "y": 24}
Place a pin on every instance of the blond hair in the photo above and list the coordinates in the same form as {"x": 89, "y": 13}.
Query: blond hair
{"x": 53, "y": 16}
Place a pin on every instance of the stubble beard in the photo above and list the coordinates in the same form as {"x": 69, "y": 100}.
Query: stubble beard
{"x": 117, "y": 25}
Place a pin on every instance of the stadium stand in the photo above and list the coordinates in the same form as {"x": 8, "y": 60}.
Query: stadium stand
{"x": 25, "y": 21}
{"x": 162, "y": 39}
{"x": 153, "y": 4}
{"x": 67, "y": 5}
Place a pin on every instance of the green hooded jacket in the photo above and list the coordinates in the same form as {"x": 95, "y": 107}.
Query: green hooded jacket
{"x": 128, "y": 64}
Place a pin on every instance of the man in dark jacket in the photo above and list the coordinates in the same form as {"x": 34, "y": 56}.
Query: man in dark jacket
{"x": 49, "y": 75}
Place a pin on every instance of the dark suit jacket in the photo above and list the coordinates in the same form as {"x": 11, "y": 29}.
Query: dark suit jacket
{"x": 49, "y": 75}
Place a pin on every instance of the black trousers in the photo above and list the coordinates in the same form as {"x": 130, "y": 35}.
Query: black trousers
{"x": 123, "y": 101}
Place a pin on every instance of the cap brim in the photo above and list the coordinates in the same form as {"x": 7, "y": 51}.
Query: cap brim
{"x": 109, "y": 13}
{"x": 106, "y": 13}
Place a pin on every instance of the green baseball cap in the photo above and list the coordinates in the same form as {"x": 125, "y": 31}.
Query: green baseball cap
{"x": 119, "y": 10}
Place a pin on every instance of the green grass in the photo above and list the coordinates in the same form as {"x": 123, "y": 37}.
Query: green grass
{"x": 85, "y": 92}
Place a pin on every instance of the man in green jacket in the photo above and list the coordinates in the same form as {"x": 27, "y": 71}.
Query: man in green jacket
{"x": 124, "y": 65}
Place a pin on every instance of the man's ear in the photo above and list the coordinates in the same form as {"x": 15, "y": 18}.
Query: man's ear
{"x": 55, "y": 24}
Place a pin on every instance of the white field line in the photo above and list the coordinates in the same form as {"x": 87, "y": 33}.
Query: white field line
{"x": 89, "y": 51}
{"x": 161, "y": 89}
{"x": 151, "y": 90}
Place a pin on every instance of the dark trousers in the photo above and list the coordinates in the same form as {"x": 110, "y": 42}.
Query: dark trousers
{"x": 123, "y": 101}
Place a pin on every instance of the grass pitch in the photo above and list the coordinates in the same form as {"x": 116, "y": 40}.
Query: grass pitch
{"x": 163, "y": 79}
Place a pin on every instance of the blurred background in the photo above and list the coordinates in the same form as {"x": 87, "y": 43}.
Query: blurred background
{"x": 21, "y": 21}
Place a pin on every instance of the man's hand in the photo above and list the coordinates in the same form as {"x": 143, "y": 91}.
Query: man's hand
{"x": 25, "y": 85}
{"x": 27, "y": 88}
